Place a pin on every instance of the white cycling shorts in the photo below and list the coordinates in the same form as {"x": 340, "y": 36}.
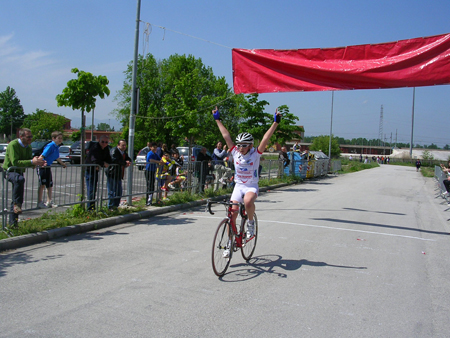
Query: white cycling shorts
{"x": 240, "y": 190}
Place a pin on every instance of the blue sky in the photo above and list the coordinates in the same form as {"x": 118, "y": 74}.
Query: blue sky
{"x": 41, "y": 41}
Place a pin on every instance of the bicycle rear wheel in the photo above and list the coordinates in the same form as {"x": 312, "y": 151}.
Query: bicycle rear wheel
{"x": 223, "y": 239}
{"x": 249, "y": 245}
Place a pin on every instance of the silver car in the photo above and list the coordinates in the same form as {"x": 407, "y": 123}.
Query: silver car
{"x": 3, "y": 151}
{"x": 64, "y": 152}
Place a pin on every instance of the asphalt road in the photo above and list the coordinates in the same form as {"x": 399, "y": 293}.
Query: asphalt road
{"x": 358, "y": 255}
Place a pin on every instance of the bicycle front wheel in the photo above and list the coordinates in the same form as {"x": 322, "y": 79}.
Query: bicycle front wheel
{"x": 249, "y": 245}
{"x": 223, "y": 240}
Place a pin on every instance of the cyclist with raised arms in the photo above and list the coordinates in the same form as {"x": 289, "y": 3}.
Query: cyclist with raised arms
{"x": 246, "y": 161}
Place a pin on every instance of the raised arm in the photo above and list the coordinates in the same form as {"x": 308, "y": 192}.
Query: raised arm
{"x": 266, "y": 138}
{"x": 225, "y": 134}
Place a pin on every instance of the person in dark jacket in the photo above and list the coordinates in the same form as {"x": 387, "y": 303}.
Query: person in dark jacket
{"x": 99, "y": 155}
{"x": 119, "y": 160}
{"x": 204, "y": 167}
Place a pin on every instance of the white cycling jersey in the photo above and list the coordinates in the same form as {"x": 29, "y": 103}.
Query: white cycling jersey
{"x": 246, "y": 166}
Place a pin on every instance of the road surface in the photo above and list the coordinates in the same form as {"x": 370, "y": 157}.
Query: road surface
{"x": 358, "y": 255}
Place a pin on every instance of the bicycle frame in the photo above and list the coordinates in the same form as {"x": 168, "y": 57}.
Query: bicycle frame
{"x": 238, "y": 234}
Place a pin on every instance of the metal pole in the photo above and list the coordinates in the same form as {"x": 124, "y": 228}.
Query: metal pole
{"x": 331, "y": 123}
{"x": 92, "y": 126}
{"x": 133, "y": 105}
{"x": 412, "y": 123}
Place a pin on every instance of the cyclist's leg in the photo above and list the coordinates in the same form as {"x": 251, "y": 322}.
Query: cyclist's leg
{"x": 249, "y": 201}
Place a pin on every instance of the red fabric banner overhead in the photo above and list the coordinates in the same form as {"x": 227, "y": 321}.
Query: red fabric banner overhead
{"x": 406, "y": 63}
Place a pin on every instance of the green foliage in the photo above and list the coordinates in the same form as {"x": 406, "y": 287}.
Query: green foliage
{"x": 76, "y": 136}
{"x": 427, "y": 155}
{"x": 43, "y": 123}
{"x": 176, "y": 98}
{"x": 104, "y": 127}
{"x": 81, "y": 93}
{"x": 11, "y": 112}
{"x": 353, "y": 166}
{"x": 322, "y": 143}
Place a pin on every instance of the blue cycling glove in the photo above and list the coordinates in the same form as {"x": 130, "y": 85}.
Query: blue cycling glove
{"x": 217, "y": 115}
{"x": 276, "y": 117}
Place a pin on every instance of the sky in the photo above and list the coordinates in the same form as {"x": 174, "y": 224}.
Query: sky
{"x": 41, "y": 41}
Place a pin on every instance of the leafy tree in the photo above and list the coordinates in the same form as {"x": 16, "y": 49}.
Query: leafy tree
{"x": 81, "y": 94}
{"x": 446, "y": 147}
{"x": 89, "y": 127}
{"x": 256, "y": 121}
{"x": 323, "y": 143}
{"x": 104, "y": 126}
{"x": 427, "y": 155}
{"x": 176, "y": 97}
{"x": 43, "y": 123}
{"x": 76, "y": 136}
{"x": 11, "y": 112}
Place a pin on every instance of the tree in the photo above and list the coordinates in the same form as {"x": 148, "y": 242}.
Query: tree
{"x": 81, "y": 94}
{"x": 427, "y": 155}
{"x": 43, "y": 124}
{"x": 11, "y": 112}
{"x": 104, "y": 127}
{"x": 256, "y": 121}
{"x": 322, "y": 143}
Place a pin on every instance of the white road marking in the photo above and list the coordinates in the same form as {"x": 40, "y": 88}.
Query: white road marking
{"x": 321, "y": 226}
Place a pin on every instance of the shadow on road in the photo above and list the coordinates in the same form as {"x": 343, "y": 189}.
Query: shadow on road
{"x": 271, "y": 264}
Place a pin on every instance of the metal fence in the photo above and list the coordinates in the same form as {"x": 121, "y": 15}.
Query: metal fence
{"x": 67, "y": 185}
{"x": 440, "y": 177}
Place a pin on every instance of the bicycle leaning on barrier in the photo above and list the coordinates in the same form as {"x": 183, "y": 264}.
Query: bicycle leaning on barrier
{"x": 229, "y": 238}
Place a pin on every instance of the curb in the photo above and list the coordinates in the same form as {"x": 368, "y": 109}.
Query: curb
{"x": 44, "y": 236}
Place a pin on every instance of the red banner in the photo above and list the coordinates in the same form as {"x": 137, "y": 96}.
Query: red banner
{"x": 406, "y": 63}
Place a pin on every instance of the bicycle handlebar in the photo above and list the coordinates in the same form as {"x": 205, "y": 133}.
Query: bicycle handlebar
{"x": 226, "y": 203}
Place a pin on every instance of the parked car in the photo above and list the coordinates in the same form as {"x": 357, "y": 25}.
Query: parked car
{"x": 184, "y": 151}
{"x": 75, "y": 151}
{"x": 64, "y": 153}
{"x": 38, "y": 147}
{"x": 141, "y": 158}
{"x": 3, "y": 151}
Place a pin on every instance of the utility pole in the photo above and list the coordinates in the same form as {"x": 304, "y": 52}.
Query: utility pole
{"x": 133, "y": 105}
{"x": 380, "y": 131}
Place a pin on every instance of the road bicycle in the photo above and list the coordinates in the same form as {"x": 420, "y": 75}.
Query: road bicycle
{"x": 229, "y": 236}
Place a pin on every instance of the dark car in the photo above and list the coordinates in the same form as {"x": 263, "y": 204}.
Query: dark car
{"x": 75, "y": 151}
{"x": 38, "y": 147}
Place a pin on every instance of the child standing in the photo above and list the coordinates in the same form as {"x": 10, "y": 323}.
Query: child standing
{"x": 50, "y": 154}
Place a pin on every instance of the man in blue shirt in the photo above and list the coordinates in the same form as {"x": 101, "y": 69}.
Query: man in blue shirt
{"x": 150, "y": 171}
{"x": 50, "y": 154}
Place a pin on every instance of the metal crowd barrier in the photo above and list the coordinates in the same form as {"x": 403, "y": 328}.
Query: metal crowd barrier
{"x": 67, "y": 189}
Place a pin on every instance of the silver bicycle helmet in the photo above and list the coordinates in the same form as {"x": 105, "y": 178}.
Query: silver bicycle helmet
{"x": 244, "y": 138}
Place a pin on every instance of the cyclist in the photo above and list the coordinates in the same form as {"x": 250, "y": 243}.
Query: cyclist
{"x": 246, "y": 162}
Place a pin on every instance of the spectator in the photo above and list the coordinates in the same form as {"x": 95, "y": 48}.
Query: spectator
{"x": 159, "y": 150}
{"x": 418, "y": 165}
{"x": 296, "y": 147}
{"x": 116, "y": 172}
{"x": 49, "y": 154}
{"x": 219, "y": 155}
{"x": 179, "y": 173}
{"x": 150, "y": 171}
{"x": 284, "y": 157}
{"x": 447, "y": 181}
{"x": 99, "y": 154}
{"x": 19, "y": 154}
{"x": 204, "y": 167}
{"x": 163, "y": 172}
{"x": 173, "y": 149}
